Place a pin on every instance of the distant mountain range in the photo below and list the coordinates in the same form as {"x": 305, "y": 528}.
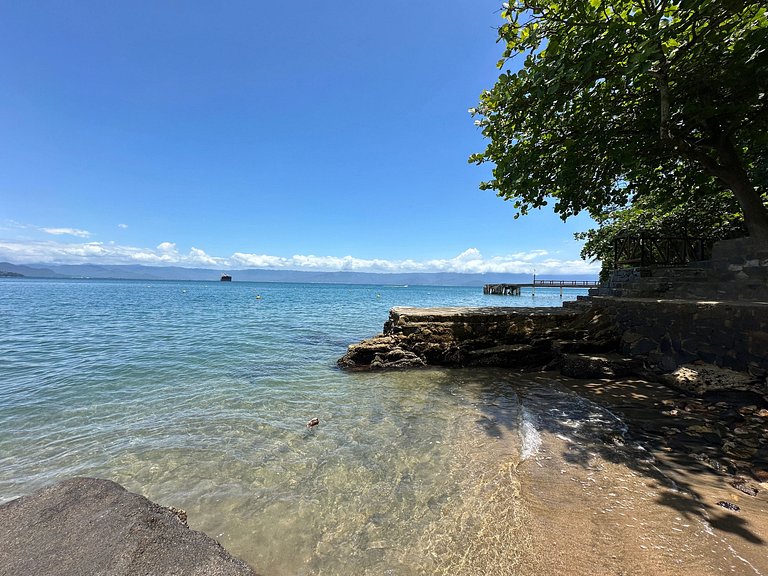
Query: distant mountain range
{"x": 137, "y": 272}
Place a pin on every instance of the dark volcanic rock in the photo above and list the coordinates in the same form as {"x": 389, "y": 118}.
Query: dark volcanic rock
{"x": 89, "y": 526}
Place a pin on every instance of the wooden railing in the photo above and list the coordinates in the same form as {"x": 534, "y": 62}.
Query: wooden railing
{"x": 659, "y": 251}
{"x": 514, "y": 289}
{"x": 566, "y": 283}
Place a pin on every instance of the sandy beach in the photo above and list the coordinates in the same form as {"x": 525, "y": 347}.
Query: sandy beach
{"x": 646, "y": 503}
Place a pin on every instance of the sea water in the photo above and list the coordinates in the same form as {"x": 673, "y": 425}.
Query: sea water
{"x": 196, "y": 394}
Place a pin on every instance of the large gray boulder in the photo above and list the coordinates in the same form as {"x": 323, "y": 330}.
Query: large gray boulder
{"x": 86, "y": 526}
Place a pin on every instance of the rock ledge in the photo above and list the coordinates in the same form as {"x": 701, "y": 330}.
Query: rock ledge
{"x": 523, "y": 338}
{"x": 90, "y": 526}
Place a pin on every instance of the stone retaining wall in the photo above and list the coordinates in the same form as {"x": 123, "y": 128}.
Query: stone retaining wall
{"x": 738, "y": 271}
{"x": 659, "y": 319}
{"x": 525, "y": 338}
{"x": 669, "y": 333}
{"x": 512, "y": 337}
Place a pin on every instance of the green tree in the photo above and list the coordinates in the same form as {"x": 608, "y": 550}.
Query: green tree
{"x": 619, "y": 100}
{"x": 697, "y": 214}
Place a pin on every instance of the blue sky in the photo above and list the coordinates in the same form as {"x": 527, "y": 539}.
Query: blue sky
{"x": 327, "y": 135}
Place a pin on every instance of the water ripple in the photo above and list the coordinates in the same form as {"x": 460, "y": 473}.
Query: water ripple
{"x": 197, "y": 394}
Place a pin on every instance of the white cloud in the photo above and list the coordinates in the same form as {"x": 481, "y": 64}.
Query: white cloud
{"x": 469, "y": 261}
{"x": 67, "y": 231}
{"x": 122, "y": 226}
{"x": 200, "y": 258}
{"x": 258, "y": 260}
{"x": 167, "y": 253}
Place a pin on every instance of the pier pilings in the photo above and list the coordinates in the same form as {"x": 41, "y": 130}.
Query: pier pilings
{"x": 502, "y": 289}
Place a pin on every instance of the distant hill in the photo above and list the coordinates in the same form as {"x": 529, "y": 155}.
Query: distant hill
{"x": 138, "y": 272}
{"x": 5, "y": 274}
{"x": 31, "y": 271}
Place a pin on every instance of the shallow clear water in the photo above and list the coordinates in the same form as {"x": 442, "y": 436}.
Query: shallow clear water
{"x": 196, "y": 395}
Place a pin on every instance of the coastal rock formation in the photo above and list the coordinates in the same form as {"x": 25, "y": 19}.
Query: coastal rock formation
{"x": 524, "y": 338}
{"x": 89, "y": 526}
{"x": 647, "y": 322}
{"x": 605, "y": 337}
{"x": 702, "y": 378}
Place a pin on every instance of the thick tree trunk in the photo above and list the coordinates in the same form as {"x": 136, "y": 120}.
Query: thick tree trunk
{"x": 735, "y": 177}
{"x": 729, "y": 169}
{"x": 755, "y": 213}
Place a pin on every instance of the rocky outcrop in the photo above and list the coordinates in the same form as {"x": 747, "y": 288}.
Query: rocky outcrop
{"x": 702, "y": 378}
{"x": 645, "y": 322}
{"x": 524, "y": 338}
{"x": 89, "y": 526}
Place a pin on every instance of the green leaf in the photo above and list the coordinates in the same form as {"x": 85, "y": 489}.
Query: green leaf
{"x": 580, "y": 119}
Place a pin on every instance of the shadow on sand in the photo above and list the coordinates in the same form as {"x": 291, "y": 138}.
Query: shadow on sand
{"x": 673, "y": 440}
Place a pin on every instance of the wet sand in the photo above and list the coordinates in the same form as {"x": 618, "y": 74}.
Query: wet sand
{"x": 645, "y": 502}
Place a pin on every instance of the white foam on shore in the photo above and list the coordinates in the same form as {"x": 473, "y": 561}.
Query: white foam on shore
{"x": 530, "y": 439}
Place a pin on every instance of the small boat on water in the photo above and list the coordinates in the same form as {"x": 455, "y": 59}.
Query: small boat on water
{"x": 226, "y": 278}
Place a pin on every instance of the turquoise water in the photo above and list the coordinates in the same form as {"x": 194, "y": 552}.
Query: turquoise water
{"x": 196, "y": 395}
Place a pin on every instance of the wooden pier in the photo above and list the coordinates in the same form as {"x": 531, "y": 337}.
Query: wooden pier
{"x": 514, "y": 289}
{"x": 502, "y": 289}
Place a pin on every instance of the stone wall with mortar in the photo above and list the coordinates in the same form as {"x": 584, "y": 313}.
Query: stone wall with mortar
{"x": 511, "y": 337}
{"x": 738, "y": 271}
{"x": 669, "y": 333}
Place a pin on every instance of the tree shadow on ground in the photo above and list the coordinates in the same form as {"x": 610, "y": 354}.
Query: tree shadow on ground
{"x": 653, "y": 430}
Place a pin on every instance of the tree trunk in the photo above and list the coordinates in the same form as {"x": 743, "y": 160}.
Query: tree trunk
{"x": 729, "y": 169}
{"x": 755, "y": 213}
{"x": 736, "y": 178}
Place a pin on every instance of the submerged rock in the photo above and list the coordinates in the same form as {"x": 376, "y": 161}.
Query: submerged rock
{"x": 89, "y": 526}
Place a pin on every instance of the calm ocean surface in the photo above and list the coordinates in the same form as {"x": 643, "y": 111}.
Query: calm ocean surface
{"x": 196, "y": 395}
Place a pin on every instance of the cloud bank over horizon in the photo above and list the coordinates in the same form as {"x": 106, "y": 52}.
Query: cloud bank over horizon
{"x": 471, "y": 261}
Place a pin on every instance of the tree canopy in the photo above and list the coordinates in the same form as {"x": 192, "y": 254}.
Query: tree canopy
{"x": 644, "y": 103}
